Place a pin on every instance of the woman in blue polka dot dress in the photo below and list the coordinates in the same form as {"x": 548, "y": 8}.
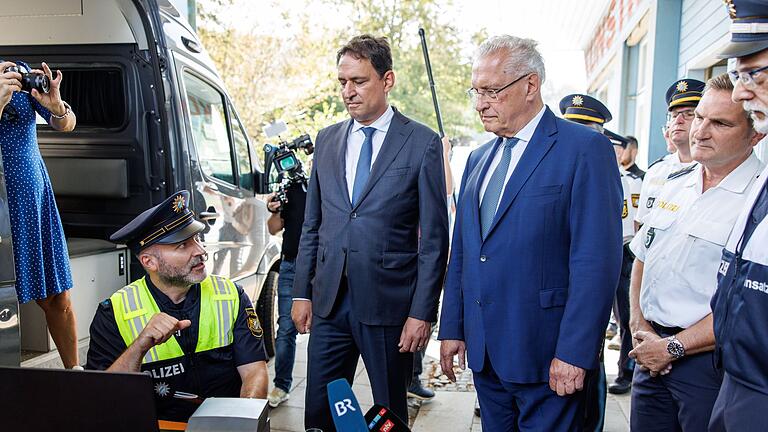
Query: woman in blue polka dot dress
{"x": 40, "y": 251}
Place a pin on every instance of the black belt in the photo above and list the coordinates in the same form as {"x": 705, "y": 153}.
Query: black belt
{"x": 665, "y": 331}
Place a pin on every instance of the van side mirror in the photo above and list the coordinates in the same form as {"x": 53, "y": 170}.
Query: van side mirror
{"x": 260, "y": 182}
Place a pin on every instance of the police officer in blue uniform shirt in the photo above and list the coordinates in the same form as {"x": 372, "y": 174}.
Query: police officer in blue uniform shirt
{"x": 675, "y": 273}
{"x": 585, "y": 109}
{"x": 740, "y": 305}
{"x": 197, "y": 335}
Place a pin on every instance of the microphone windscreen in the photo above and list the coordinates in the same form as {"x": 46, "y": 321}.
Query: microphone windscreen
{"x": 381, "y": 419}
{"x": 346, "y": 412}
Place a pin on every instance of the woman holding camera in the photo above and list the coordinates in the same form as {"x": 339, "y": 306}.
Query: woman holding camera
{"x": 40, "y": 250}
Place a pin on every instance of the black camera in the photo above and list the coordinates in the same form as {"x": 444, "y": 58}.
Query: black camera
{"x": 31, "y": 80}
{"x": 288, "y": 166}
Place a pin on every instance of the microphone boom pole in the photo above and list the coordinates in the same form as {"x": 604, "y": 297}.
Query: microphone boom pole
{"x": 422, "y": 35}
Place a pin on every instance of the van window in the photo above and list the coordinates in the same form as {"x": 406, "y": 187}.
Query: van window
{"x": 208, "y": 120}
{"x": 241, "y": 152}
{"x": 97, "y": 96}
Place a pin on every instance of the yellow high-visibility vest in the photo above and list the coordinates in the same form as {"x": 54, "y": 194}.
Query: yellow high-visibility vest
{"x": 134, "y": 306}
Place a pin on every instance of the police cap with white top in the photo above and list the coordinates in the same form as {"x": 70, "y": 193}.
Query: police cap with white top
{"x": 749, "y": 27}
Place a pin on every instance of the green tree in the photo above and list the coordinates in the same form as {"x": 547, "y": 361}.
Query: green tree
{"x": 292, "y": 75}
{"x": 399, "y": 21}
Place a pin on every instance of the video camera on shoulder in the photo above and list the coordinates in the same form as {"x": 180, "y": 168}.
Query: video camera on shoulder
{"x": 288, "y": 167}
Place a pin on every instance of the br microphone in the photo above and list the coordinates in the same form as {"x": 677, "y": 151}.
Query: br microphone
{"x": 381, "y": 419}
{"x": 346, "y": 412}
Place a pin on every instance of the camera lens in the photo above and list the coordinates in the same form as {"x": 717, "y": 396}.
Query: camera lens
{"x": 39, "y": 82}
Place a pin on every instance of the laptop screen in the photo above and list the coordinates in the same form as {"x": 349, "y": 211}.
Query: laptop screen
{"x": 66, "y": 400}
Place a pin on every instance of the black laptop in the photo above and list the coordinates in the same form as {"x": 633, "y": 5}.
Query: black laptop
{"x": 66, "y": 400}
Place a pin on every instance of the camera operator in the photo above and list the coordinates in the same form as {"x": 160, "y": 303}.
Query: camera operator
{"x": 289, "y": 219}
{"x": 40, "y": 250}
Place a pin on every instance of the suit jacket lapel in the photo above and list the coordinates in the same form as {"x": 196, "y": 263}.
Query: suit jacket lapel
{"x": 339, "y": 138}
{"x": 542, "y": 140}
{"x": 397, "y": 134}
{"x": 476, "y": 182}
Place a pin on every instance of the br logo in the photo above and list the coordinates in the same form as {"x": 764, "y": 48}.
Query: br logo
{"x": 343, "y": 406}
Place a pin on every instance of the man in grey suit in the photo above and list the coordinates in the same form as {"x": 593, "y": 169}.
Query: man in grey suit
{"x": 374, "y": 244}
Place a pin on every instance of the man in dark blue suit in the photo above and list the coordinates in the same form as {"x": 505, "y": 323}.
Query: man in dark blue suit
{"x": 536, "y": 250}
{"x": 374, "y": 244}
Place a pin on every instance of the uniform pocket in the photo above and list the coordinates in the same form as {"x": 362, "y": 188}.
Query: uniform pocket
{"x": 713, "y": 232}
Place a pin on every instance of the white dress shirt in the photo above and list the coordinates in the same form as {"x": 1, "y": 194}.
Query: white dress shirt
{"x": 355, "y": 143}
{"x": 755, "y": 250}
{"x": 524, "y": 136}
{"x": 682, "y": 240}
{"x": 654, "y": 180}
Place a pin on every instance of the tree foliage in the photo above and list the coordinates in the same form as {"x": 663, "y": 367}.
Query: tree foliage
{"x": 291, "y": 75}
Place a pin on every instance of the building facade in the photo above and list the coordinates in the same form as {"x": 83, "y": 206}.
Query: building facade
{"x": 641, "y": 47}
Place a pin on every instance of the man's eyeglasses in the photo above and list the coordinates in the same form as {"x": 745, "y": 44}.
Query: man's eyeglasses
{"x": 492, "y": 94}
{"x": 749, "y": 79}
{"x": 687, "y": 115}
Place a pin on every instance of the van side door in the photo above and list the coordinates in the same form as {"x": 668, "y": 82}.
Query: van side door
{"x": 222, "y": 177}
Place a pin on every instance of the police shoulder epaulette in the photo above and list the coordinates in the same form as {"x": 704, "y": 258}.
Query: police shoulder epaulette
{"x": 633, "y": 175}
{"x": 106, "y": 304}
{"x": 682, "y": 172}
{"x": 661, "y": 159}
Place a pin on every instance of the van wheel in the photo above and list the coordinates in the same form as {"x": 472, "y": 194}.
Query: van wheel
{"x": 266, "y": 309}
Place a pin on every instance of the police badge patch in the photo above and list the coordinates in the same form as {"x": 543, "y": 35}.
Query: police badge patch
{"x": 649, "y": 237}
{"x": 635, "y": 200}
{"x": 649, "y": 203}
{"x": 625, "y": 210}
{"x": 253, "y": 323}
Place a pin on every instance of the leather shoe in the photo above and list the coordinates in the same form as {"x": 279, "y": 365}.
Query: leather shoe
{"x": 417, "y": 391}
{"x": 620, "y": 387}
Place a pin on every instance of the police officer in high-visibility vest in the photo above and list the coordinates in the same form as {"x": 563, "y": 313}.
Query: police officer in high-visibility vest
{"x": 740, "y": 304}
{"x": 197, "y": 335}
{"x": 585, "y": 109}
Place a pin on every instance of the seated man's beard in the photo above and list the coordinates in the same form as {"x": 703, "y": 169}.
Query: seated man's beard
{"x": 179, "y": 276}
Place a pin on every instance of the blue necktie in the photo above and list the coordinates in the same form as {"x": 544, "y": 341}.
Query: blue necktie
{"x": 494, "y": 188}
{"x": 363, "y": 164}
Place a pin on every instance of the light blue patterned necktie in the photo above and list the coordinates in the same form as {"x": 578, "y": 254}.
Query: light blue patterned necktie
{"x": 495, "y": 186}
{"x": 363, "y": 164}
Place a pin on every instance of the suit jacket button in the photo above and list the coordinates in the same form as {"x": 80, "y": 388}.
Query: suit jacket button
{"x": 479, "y": 303}
{"x": 353, "y": 215}
{"x": 483, "y": 258}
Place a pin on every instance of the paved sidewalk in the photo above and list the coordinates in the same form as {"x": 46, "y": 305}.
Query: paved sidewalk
{"x": 451, "y": 410}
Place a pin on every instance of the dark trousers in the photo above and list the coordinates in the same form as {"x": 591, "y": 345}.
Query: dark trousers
{"x": 507, "y": 407}
{"x": 595, "y": 394}
{"x": 335, "y": 345}
{"x": 738, "y": 408}
{"x": 621, "y": 311}
{"x": 682, "y": 400}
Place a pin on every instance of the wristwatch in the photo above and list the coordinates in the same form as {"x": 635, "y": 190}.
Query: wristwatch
{"x": 675, "y": 348}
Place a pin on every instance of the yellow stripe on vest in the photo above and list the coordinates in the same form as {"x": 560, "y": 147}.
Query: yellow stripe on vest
{"x": 134, "y": 306}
